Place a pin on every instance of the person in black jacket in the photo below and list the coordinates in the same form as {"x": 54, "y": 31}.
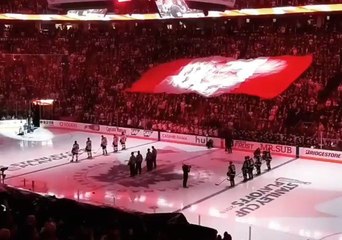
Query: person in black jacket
{"x": 186, "y": 170}
{"x": 132, "y": 165}
{"x": 154, "y": 157}
{"x": 250, "y": 168}
{"x": 149, "y": 160}
{"x": 139, "y": 159}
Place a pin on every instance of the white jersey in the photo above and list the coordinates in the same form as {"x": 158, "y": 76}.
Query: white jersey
{"x": 123, "y": 139}
{"x": 88, "y": 145}
{"x": 104, "y": 141}
{"x": 75, "y": 148}
{"x": 115, "y": 140}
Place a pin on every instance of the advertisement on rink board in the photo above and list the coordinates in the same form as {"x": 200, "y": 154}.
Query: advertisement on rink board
{"x": 188, "y": 139}
{"x": 320, "y": 154}
{"x": 101, "y": 129}
{"x": 274, "y": 148}
{"x": 12, "y": 123}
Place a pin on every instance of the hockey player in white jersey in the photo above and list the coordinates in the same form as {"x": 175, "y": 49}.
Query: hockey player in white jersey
{"x": 123, "y": 141}
{"x": 88, "y": 148}
{"x": 115, "y": 143}
{"x": 74, "y": 151}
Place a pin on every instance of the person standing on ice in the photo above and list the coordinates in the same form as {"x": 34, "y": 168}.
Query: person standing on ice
{"x": 250, "y": 168}
{"x": 115, "y": 143}
{"x": 88, "y": 148}
{"x": 245, "y": 169}
{"x": 104, "y": 145}
{"x": 258, "y": 164}
{"x": 123, "y": 141}
{"x": 267, "y": 157}
{"x": 74, "y": 151}
{"x": 231, "y": 173}
{"x": 154, "y": 157}
{"x": 149, "y": 160}
{"x": 139, "y": 159}
{"x": 257, "y": 153}
{"x": 186, "y": 170}
{"x": 132, "y": 165}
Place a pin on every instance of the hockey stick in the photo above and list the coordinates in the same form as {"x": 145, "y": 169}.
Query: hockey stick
{"x": 97, "y": 150}
{"x": 219, "y": 183}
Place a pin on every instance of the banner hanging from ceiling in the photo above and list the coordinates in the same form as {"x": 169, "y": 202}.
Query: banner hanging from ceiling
{"x": 265, "y": 77}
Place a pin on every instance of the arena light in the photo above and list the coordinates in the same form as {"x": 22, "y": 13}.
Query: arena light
{"x": 43, "y": 102}
{"x": 324, "y": 8}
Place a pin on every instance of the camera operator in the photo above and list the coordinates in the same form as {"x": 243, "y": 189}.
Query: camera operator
{"x": 186, "y": 170}
{"x": 210, "y": 144}
{"x": 3, "y": 175}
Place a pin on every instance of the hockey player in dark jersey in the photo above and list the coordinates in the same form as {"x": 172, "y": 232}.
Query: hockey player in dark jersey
{"x": 231, "y": 174}
{"x": 268, "y": 158}
{"x": 257, "y": 153}
{"x": 250, "y": 168}
{"x": 88, "y": 148}
{"x": 104, "y": 145}
{"x": 245, "y": 167}
{"x": 258, "y": 164}
{"x": 74, "y": 151}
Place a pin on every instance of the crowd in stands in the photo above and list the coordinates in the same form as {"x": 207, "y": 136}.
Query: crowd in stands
{"x": 41, "y": 6}
{"x": 29, "y": 216}
{"x": 87, "y": 69}
{"x": 279, "y": 3}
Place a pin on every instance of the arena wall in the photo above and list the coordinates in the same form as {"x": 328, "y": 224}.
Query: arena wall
{"x": 239, "y": 145}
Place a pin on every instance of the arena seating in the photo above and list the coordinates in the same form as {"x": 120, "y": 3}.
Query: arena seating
{"x": 29, "y": 216}
{"x": 87, "y": 71}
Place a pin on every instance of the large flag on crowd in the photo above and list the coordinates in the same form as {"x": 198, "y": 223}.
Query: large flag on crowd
{"x": 266, "y": 77}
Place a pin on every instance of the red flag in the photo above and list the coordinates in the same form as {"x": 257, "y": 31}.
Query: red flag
{"x": 266, "y": 77}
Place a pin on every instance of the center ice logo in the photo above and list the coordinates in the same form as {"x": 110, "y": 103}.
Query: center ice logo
{"x": 119, "y": 174}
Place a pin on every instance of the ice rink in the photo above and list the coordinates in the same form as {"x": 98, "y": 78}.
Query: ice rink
{"x": 297, "y": 199}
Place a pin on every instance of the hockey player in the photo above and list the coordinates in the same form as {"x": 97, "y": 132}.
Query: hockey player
{"x": 267, "y": 157}
{"x": 154, "y": 157}
{"x": 21, "y": 131}
{"x": 231, "y": 174}
{"x": 74, "y": 151}
{"x": 123, "y": 141}
{"x": 88, "y": 148}
{"x": 149, "y": 160}
{"x": 257, "y": 153}
{"x": 104, "y": 145}
{"x": 250, "y": 168}
{"x": 245, "y": 169}
{"x": 258, "y": 164}
{"x": 115, "y": 143}
{"x": 139, "y": 159}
